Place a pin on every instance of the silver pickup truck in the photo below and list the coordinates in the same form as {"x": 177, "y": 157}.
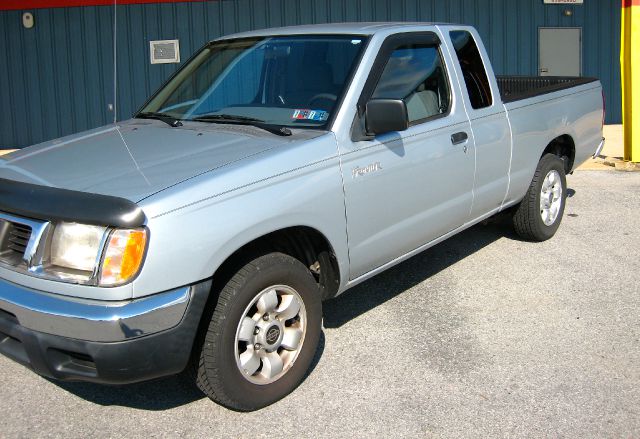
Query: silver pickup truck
{"x": 276, "y": 169}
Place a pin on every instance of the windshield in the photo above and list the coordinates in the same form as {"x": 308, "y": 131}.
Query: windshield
{"x": 289, "y": 81}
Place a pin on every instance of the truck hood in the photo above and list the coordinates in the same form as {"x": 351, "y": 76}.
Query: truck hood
{"x": 137, "y": 158}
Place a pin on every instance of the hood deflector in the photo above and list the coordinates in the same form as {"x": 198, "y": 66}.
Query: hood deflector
{"x": 55, "y": 204}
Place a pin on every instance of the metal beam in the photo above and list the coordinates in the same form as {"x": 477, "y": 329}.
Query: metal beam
{"x": 630, "y": 76}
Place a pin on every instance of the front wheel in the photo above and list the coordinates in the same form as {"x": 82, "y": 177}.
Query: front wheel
{"x": 539, "y": 214}
{"x": 263, "y": 334}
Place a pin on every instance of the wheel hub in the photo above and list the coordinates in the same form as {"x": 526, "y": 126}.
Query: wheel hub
{"x": 270, "y": 334}
{"x": 550, "y": 197}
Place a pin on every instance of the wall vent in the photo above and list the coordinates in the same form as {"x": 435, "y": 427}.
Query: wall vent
{"x": 165, "y": 51}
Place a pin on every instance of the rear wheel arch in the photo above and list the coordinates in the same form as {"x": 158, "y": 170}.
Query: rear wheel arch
{"x": 538, "y": 216}
{"x": 564, "y": 147}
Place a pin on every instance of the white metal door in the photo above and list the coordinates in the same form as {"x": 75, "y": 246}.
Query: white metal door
{"x": 560, "y": 51}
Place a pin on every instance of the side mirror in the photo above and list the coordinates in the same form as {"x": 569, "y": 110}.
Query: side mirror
{"x": 386, "y": 115}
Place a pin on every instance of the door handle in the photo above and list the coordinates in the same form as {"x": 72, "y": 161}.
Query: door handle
{"x": 544, "y": 70}
{"x": 458, "y": 138}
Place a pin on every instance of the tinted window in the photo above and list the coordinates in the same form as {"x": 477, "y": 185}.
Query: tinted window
{"x": 416, "y": 74}
{"x": 475, "y": 76}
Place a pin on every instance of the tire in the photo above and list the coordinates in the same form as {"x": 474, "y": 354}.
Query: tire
{"x": 231, "y": 346}
{"x": 536, "y": 221}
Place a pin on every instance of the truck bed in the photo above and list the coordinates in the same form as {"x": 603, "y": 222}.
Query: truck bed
{"x": 515, "y": 88}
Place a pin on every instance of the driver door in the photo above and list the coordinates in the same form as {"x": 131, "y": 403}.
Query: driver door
{"x": 405, "y": 189}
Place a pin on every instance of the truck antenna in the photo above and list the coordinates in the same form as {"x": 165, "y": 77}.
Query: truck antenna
{"x": 115, "y": 61}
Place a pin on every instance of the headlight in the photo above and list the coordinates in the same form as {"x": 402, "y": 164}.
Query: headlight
{"x": 76, "y": 246}
{"x": 95, "y": 254}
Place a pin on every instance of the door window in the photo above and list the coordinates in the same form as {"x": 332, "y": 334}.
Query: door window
{"x": 416, "y": 74}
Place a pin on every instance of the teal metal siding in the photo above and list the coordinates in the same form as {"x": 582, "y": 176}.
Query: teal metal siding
{"x": 57, "y": 78}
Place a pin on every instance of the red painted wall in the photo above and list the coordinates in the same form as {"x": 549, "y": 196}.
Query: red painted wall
{"x": 7, "y": 5}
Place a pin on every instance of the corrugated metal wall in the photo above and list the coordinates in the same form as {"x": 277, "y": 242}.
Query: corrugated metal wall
{"x": 57, "y": 78}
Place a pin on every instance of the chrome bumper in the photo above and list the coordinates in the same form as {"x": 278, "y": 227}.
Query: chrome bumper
{"x": 599, "y": 149}
{"x": 93, "y": 320}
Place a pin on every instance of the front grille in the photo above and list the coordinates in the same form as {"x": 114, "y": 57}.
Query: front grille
{"x": 14, "y": 238}
{"x": 19, "y": 235}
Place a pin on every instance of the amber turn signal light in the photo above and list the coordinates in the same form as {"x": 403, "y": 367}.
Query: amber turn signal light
{"x": 123, "y": 256}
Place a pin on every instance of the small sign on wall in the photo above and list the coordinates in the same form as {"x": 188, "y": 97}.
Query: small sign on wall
{"x": 563, "y": 2}
{"x": 165, "y": 51}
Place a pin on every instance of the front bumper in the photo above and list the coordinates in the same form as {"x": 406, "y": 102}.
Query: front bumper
{"x": 105, "y": 342}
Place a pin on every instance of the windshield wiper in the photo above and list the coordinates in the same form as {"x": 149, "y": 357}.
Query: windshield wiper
{"x": 244, "y": 120}
{"x": 164, "y": 117}
{"x": 234, "y": 117}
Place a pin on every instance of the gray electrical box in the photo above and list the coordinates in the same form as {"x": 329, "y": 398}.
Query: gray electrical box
{"x": 165, "y": 51}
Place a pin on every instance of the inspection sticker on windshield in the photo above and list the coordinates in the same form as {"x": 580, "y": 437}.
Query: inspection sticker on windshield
{"x": 319, "y": 115}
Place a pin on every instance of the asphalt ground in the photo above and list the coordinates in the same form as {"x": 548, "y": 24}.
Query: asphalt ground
{"x": 481, "y": 336}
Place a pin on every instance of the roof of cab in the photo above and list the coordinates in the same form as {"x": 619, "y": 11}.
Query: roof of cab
{"x": 368, "y": 28}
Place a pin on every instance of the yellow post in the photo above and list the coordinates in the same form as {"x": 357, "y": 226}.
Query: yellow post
{"x": 630, "y": 75}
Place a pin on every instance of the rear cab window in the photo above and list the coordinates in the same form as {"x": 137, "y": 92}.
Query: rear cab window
{"x": 473, "y": 69}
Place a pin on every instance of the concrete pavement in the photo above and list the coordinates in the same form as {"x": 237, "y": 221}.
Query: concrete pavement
{"x": 613, "y": 149}
{"x": 612, "y": 153}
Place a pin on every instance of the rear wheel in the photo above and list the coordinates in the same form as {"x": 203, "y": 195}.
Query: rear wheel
{"x": 263, "y": 334}
{"x": 539, "y": 214}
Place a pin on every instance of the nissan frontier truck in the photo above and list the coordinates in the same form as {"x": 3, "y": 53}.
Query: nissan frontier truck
{"x": 276, "y": 169}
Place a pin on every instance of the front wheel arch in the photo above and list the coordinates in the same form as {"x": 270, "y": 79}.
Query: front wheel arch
{"x": 306, "y": 244}
{"x": 214, "y": 364}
